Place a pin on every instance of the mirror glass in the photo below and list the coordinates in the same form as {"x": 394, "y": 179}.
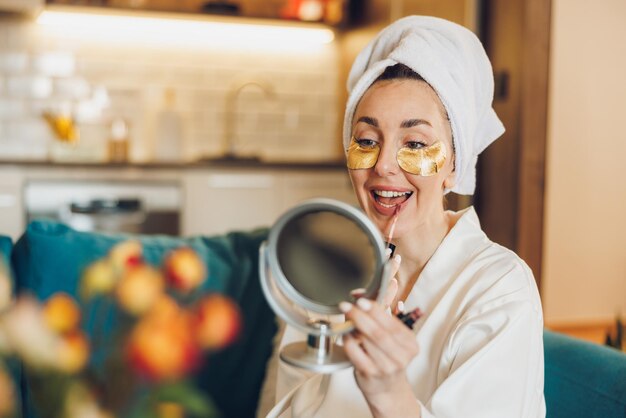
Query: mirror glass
{"x": 326, "y": 256}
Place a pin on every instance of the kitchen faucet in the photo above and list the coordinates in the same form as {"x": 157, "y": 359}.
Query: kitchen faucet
{"x": 232, "y": 97}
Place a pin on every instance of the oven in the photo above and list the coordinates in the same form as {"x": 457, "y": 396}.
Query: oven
{"x": 138, "y": 207}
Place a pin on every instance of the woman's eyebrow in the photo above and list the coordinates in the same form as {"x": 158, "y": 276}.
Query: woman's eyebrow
{"x": 414, "y": 122}
{"x": 369, "y": 121}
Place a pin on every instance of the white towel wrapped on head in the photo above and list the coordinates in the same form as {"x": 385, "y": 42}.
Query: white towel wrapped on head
{"x": 453, "y": 61}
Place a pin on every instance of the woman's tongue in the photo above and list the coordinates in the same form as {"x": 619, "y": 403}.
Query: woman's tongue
{"x": 391, "y": 201}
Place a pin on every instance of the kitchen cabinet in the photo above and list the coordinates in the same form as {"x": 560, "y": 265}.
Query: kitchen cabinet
{"x": 224, "y": 201}
{"x": 300, "y": 186}
{"x": 21, "y": 6}
{"x": 210, "y": 199}
{"x": 11, "y": 207}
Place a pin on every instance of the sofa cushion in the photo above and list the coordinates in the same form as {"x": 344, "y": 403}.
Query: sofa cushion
{"x": 6, "y": 246}
{"x": 583, "y": 379}
{"x": 50, "y": 257}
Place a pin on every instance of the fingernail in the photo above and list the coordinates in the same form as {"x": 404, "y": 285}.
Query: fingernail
{"x": 345, "y": 307}
{"x": 358, "y": 292}
{"x": 387, "y": 252}
{"x": 364, "y": 304}
{"x": 397, "y": 258}
{"x": 400, "y": 306}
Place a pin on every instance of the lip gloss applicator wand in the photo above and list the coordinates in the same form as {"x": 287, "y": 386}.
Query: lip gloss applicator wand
{"x": 392, "y": 229}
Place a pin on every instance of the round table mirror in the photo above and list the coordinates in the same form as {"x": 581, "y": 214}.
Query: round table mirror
{"x": 318, "y": 254}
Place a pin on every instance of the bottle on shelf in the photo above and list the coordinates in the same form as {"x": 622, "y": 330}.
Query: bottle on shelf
{"x": 118, "y": 141}
{"x": 168, "y": 136}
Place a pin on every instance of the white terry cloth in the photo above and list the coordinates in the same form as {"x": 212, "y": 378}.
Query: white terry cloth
{"x": 453, "y": 61}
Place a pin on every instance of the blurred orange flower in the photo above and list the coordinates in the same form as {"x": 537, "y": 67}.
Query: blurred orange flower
{"x": 28, "y": 336}
{"x": 99, "y": 278}
{"x": 139, "y": 289}
{"x": 73, "y": 352}
{"x": 61, "y": 313}
{"x": 126, "y": 254}
{"x": 7, "y": 394}
{"x": 185, "y": 271}
{"x": 161, "y": 346}
{"x": 217, "y": 322}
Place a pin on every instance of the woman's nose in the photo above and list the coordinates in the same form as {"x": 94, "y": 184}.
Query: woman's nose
{"x": 387, "y": 163}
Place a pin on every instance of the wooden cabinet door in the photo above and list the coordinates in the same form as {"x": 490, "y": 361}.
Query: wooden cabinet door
{"x": 26, "y": 6}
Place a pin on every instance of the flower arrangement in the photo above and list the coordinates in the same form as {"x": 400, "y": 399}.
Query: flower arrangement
{"x": 143, "y": 364}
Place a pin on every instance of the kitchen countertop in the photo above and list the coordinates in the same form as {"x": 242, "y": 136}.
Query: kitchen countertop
{"x": 209, "y": 163}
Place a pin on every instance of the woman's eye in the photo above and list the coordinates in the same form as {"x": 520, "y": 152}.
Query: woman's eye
{"x": 366, "y": 143}
{"x": 415, "y": 144}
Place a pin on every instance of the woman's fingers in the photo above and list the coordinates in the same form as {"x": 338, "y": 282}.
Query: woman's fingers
{"x": 395, "y": 264}
{"x": 386, "y": 363}
{"x": 384, "y": 331}
{"x": 359, "y": 358}
{"x": 390, "y": 293}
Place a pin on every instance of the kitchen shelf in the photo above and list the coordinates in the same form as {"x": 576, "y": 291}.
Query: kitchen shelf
{"x": 200, "y": 164}
{"x": 191, "y": 16}
{"x": 184, "y": 30}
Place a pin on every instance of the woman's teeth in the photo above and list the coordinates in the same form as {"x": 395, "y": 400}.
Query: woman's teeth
{"x": 390, "y": 199}
{"x": 389, "y": 193}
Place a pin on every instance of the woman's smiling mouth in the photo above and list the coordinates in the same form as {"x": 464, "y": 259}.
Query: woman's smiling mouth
{"x": 390, "y": 198}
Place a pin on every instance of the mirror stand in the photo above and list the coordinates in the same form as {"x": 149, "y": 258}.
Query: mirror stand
{"x": 318, "y": 353}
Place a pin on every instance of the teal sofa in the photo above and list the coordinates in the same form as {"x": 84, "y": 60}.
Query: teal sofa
{"x": 582, "y": 379}
{"x": 49, "y": 257}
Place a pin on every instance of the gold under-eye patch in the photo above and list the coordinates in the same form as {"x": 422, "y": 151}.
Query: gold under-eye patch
{"x": 425, "y": 161}
{"x": 360, "y": 157}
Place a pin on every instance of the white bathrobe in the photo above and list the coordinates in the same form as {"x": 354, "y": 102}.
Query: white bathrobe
{"x": 481, "y": 346}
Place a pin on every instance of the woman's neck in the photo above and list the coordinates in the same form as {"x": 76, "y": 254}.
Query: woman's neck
{"x": 416, "y": 247}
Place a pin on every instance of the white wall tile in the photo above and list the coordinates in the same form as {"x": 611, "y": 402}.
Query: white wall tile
{"x": 13, "y": 62}
{"x": 54, "y": 64}
{"x": 26, "y": 128}
{"x": 68, "y": 70}
{"x": 72, "y": 88}
{"x": 35, "y": 87}
{"x": 11, "y": 108}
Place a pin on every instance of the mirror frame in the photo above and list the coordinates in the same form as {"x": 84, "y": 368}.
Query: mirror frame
{"x": 329, "y": 205}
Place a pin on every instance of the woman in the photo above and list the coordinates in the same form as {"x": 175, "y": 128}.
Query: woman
{"x": 418, "y": 114}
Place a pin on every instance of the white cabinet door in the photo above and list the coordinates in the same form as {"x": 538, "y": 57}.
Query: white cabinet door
{"x": 224, "y": 201}
{"x": 11, "y": 207}
{"x": 304, "y": 185}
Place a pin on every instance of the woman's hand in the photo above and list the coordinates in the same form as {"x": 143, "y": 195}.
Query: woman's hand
{"x": 380, "y": 348}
